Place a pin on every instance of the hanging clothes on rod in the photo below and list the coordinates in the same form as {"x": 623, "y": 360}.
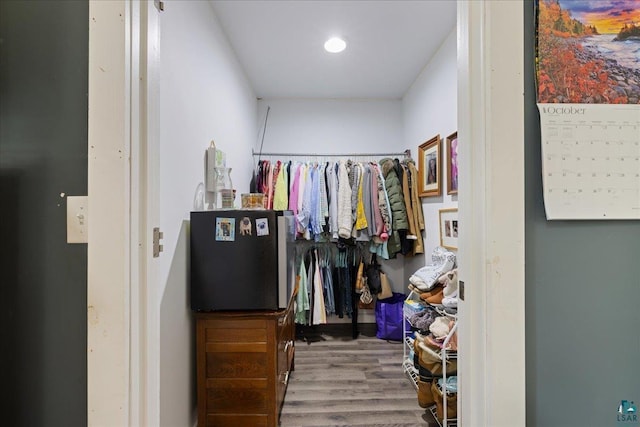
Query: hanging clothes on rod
{"x": 326, "y": 285}
{"x": 346, "y": 198}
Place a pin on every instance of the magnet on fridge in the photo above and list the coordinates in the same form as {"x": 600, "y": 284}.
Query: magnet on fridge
{"x": 262, "y": 227}
{"x": 225, "y": 229}
{"x": 245, "y": 226}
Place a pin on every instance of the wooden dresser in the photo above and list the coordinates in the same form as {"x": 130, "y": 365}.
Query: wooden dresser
{"x": 243, "y": 364}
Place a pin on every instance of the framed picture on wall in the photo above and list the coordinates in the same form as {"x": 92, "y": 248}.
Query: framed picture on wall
{"x": 449, "y": 228}
{"x": 452, "y": 163}
{"x": 429, "y": 167}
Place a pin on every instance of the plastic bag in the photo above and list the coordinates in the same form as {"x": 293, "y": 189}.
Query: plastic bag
{"x": 389, "y": 317}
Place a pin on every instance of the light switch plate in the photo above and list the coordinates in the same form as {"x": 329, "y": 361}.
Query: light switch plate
{"x": 77, "y": 219}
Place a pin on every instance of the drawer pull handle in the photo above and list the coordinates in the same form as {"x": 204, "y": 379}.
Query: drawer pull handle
{"x": 286, "y": 378}
{"x": 287, "y": 345}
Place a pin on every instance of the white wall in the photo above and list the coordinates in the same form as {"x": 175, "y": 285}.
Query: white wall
{"x": 332, "y": 125}
{"x": 429, "y": 108}
{"x": 204, "y": 96}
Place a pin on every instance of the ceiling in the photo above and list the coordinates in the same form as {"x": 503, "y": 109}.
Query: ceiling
{"x": 280, "y": 44}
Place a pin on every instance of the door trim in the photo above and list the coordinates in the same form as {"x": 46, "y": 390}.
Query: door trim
{"x": 109, "y": 184}
{"x": 491, "y": 255}
{"x": 145, "y": 380}
{"x": 122, "y": 319}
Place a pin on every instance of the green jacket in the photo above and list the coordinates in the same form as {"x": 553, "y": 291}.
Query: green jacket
{"x": 397, "y": 207}
{"x": 394, "y": 191}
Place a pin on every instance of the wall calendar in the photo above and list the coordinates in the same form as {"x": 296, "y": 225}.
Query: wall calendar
{"x": 591, "y": 161}
{"x": 588, "y": 93}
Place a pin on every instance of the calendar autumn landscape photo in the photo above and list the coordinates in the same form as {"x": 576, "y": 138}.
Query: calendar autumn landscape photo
{"x": 588, "y": 51}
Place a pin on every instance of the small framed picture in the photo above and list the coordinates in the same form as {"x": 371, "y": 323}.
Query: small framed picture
{"x": 449, "y": 228}
{"x": 429, "y": 167}
{"x": 452, "y": 163}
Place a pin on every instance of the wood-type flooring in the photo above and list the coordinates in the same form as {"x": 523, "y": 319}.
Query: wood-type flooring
{"x": 339, "y": 381}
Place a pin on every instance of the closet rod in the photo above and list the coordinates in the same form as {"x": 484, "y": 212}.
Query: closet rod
{"x": 406, "y": 152}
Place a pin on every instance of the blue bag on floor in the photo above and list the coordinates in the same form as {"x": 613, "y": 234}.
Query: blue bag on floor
{"x": 389, "y": 317}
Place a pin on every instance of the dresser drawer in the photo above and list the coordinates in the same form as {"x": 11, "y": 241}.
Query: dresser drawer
{"x": 235, "y": 323}
{"x": 236, "y": 420}
{"x": 237, "y": 397}
{"x": 235, "y": 335}
{"x": 236, "y": 365}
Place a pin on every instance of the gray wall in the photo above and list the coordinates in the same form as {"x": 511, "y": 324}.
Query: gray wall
{"x": 43, "y": 152}
{"x": 582, "y": 300}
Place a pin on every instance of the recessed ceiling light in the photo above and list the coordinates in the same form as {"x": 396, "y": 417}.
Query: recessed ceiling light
{"x": 335, "y": 45}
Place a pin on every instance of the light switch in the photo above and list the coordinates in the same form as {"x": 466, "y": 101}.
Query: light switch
{"x": 77, "y": 219}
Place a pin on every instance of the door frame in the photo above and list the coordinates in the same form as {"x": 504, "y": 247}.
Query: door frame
{"x": 122, "y": 310}
{"x": 109, "y": 261}
{"x": 122, "y": 335}
{"x": 491, "y": 358}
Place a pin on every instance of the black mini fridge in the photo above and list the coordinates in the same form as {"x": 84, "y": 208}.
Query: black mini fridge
{"x": 241, "y": 259}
